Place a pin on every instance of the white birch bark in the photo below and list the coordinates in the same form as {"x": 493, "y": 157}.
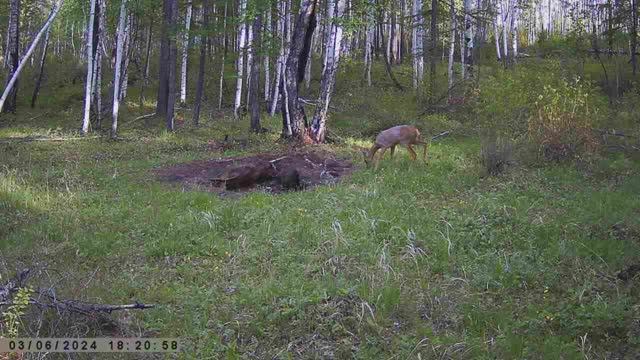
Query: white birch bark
{"x": 452, "y": 47}
{"x": 332, "y": 58}
{"x": 249, "y": 47}
{"x": 283, "y": 32}
{"x": 240, "y": 62}
{"x": 497, "y": 34}
{"x": 121, "y": 36}
{"x": 224, "y": 51}
{"x": 185, "y": 54}
{"x": 417, "y": 37}
{"x": 267, "y": 69}
{"x": 90, "y": 70}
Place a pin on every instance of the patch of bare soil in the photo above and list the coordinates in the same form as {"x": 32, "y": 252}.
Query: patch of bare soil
{"x": 269, "y": 172}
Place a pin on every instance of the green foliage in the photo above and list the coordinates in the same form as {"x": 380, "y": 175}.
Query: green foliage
{"x": 12, "y": 317}
{"x": 562, "y": 124}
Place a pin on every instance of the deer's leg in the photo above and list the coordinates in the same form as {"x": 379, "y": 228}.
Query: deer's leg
{"x": 393, "y": 150}
{"x": 426, "y": 149}
{"x": 413, "y": 154}
{"x": 380, "y": 157}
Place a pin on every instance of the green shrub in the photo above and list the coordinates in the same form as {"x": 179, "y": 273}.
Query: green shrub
{"x": 561, "y": 125}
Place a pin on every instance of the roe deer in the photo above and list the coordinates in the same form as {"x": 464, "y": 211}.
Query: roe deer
{"x": 402, "y": 134}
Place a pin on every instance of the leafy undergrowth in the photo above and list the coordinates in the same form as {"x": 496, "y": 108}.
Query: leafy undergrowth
{"x": 413, "y": 261}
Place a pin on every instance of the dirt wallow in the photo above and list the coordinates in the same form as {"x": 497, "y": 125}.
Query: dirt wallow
{"x": 268, "y": 172}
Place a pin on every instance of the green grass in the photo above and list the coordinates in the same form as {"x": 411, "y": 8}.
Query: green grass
{"x": 412, "y": 260}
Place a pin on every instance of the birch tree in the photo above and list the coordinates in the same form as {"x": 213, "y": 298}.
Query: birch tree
{"x": 204, "y": 41}
{"x": 417, "y": 38}
{"x": 327, "y": 83}
{"x": 293, "y": 114}
{"x": 185, "y": 54}
{"x": 90, "y": 69}
{"x": 242, "y": 31}
{"x": 16, "y": 74}
{"x": 117, "y": 77}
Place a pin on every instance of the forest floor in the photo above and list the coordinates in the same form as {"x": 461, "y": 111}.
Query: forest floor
{"x": 411, "y": 261}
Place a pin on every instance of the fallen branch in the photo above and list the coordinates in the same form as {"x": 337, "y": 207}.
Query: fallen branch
{"x": 145, "y": 116}
{"x": 50, "y": 301}
{"x": 30, "y": 139}
{"x": 441, "y": 135}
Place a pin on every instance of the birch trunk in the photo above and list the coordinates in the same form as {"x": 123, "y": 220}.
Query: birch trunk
{"x": 267, "y": 70}
{"x": 254, "y": 86}
{"x": 185, "y": 55}
{"x": 368, "y": 43}
{"x": 318, "y": 125}
{"x": 121, "y": 36}
{"x": 497, "y": 34}
{"x": 469, "y": 7}
{"x": 249, "y": 65}
{"x": 452, "y": 47}
{"x": 13, "y": 52}
{"x": 224, "y": 53}
{"x": 283, "y": 31}
{"x": 240, "y": 62}
{"x": 90, "y": 69}
{"x": 293, "y": 114}
{"x": 418, "y": 59}
{"x": 634, "y": 36}
{"x": 124, "y": 78}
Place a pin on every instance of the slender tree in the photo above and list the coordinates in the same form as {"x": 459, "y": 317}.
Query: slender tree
{"x": 204, "y": 41}
{"x": 117, "y": 76}
{"x": 12, "y": 57}
{"x": 327, "y": 83}
{"x": 254, "y": 86}
{"x": 185, "y": 54}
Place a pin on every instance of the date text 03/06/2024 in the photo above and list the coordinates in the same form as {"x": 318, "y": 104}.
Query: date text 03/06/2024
{"x": 22, "y": 345}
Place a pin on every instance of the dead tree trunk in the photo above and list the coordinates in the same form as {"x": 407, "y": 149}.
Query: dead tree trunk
{"x": 294, "y": 121}
{"x": 432, "y": 51}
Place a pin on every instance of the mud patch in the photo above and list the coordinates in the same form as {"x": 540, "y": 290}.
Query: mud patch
{"x": 267, "y": 172}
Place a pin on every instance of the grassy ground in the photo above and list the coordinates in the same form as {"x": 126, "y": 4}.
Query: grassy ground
{"x": 411, "y": 261}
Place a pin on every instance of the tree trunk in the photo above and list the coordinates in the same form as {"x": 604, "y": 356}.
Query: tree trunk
{"x": 249, "y": 64}
{"x": 432, "y": 52}
{"x": 496, "y": 34}
{"x": 185, "y": 54}
{"x": 634, "y": 36}
{"x": 224, "y": 52}
{"x": 283, "y": 30}
{"x": 254, "y": 80}
{"x": 418, "y": 59}
{"x": 267, "y": 70}
{"x": 90, "y": 69}
{"x": 387, "y": 64}
{"x": 36, "y": 89}
{"x": 13, "y": 52}
{"x": 294, "y": 120}
{"x": 452, "y": 47}
{"x": 201, "y": 66}
{"x": 101, "y": 8}
{"x": 163, "y": 77}
{"x": 242, "y": 30}
{"x": 172, "y": 64}
{"x": 117, "y": 77}
{"x": 469, "y": 37}
{"x": 368, "y": 43}
{"x": 124, "y": 79}
{"x": 327, "y": 83}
